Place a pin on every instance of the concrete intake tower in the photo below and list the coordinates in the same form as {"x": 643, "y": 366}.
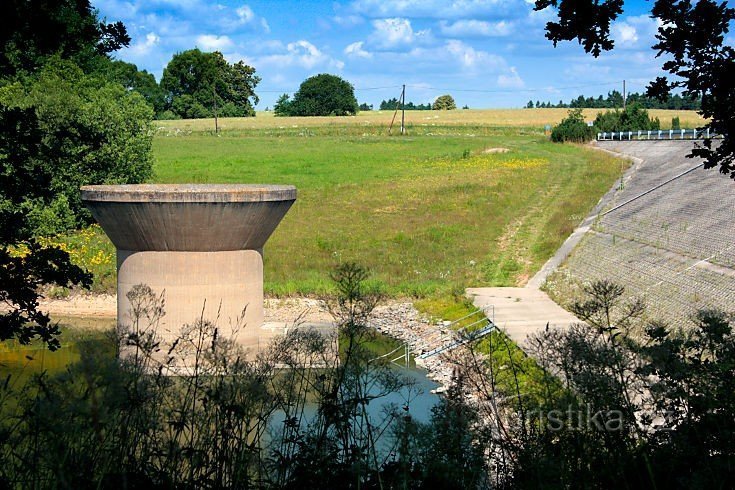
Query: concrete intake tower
{"x": 200, "y": 245}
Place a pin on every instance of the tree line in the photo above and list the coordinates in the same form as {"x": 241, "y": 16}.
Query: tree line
{"x": 614, "y": 100}
{"x": 442, "y": 103}
{"x": 391, "y": 104}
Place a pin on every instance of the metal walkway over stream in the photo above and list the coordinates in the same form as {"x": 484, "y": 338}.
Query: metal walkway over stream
{"x": 459, "y": 332}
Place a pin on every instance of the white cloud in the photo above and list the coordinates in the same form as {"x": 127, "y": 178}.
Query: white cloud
{"x": 300, "y": 53}
{"x": 210, "y": 42}
{"x": 442, "y": 9}
{"x": 355, "y": 50}
{"x": 471, "y": 27}
{"x": 348, "y": 20}
{"x": 635, "y": 31}
{"x": 245, "y": 14}
{"x": 472, "y": 58}
{"x": 511, "y": 79}
{"x": 395, "y": 32}
{"x": 144, "y": 47}
{"x": 453, "y": 56}
{"x": 625, "y": 33}
{"x": 231, "y": 20}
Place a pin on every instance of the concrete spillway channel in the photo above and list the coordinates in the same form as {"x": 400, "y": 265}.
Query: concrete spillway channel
{"x": 200, "y": 245}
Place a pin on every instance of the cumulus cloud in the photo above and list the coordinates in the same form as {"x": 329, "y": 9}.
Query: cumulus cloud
{"x": 471, "y": 27}
{"x": 635, "y": 31}
{"x": 472, "y": 58}
{"x": 245, "y": 14}
{"x": 229, "y": 19}
{"x": 451, "y": 56}
{"x": 395, "y": 32}
{"x": 210, "y": 42}
{"x": 442, "y": 9}
{"x": 625, "y": 33}
{"x": 511, "y": 79}
{"x": 144, "y": 47}
{"x": 355, "y": 50}
{"x": 301, "y": 53}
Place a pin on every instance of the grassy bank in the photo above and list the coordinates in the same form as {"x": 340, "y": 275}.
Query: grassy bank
{"x": 429, "y": 213}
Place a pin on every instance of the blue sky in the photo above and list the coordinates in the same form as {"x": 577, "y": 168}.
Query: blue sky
{"x": 486, "y": 53}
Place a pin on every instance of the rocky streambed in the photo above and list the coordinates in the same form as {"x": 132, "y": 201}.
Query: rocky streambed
{"x": 396, "y": 319}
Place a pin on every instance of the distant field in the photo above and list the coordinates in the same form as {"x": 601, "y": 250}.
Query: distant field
{"x": 529, "y": 118}
{"x": 428, "y": 213}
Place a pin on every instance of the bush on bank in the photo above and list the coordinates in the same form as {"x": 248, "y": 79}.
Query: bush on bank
{"x": 575, "y": 129}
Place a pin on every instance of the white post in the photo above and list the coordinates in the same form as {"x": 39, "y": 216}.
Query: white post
{"x": 671, "y": 133}
{"x": 694, "y": 134}
{"x": 659, "y": 134}
{"x": 682, "y": 134}
{"x": 649, "y": 135}
{"x": 707, "y": 132}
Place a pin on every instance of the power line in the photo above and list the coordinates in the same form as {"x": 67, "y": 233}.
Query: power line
{"x": 511, "y": 91}
{"x": 357, "y": 89}
{"x": 488, "y": 91}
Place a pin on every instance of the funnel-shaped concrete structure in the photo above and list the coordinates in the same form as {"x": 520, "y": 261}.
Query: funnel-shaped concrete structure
{"x": 201, "y": 244}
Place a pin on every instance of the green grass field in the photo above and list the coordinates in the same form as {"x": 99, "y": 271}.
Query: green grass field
{"x": 428, "y": 213}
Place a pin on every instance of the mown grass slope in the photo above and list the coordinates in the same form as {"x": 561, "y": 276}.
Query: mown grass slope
{"x": 429, "y": 213}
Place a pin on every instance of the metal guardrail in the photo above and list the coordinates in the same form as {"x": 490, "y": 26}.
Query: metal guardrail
{"x": 658, "y": 134}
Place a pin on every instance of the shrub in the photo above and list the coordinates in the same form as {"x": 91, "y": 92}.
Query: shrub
{"x": 675, "y": 123}
{"x": 572, "y": 128}
{"x": 167, "y": 115}
{"x": 633, "y": 118}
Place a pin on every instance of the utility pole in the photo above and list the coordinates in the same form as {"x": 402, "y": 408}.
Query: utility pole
{"x": 401, "y": 102}
{"x": 403, "y": 109}
{"x": 624, "y": 95}
{"x": 214, "y": 98}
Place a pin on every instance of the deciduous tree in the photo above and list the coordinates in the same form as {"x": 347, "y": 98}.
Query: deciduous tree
{"x": 444, "y": 103}
{"x": 324, "y": 95}
{"x": 198, "y": 84}
{"x": 33, "y": 30}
